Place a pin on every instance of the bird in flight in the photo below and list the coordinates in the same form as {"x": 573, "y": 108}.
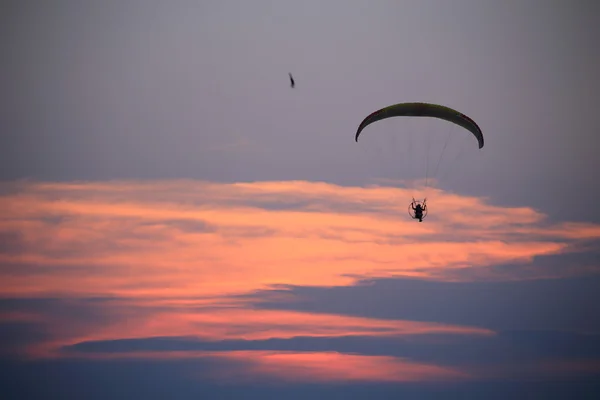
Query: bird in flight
{"x": 292, "y": 82}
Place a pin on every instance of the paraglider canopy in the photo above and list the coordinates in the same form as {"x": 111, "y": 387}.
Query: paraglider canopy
{"x": 423, "y": 110}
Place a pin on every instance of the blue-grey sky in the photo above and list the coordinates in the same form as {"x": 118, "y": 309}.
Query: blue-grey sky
{"x": 128, "y": 127}
{"x": 198, "y": 89}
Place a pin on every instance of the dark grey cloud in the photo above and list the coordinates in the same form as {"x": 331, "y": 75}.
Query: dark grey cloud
{"x": 16, "y": 337}
{"x": 567, "y": 303}
{"x": 509, "y": 347}
{"x": 579, "y": 260}
{"x": 29, "y": 322}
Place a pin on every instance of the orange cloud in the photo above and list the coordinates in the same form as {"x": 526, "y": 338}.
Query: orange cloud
{"x": 187, "y": 238}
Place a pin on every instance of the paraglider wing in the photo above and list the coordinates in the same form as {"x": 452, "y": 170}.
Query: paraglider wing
{"x": 423, "y": 110}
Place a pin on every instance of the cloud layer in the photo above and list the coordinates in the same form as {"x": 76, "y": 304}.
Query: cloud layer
{"x": 281, "y": 280}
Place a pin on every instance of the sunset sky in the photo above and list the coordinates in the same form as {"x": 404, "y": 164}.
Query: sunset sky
{"x": 177, "y": 222}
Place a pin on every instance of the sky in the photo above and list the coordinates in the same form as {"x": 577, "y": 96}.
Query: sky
{"x": 177, "y": 221}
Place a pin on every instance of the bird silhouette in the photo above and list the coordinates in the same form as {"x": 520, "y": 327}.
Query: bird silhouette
{"x": 292, "y": 82}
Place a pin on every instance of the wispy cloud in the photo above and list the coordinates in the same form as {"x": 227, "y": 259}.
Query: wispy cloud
{"x": 336, "y": 367}
{"x": 208, "y": 238}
